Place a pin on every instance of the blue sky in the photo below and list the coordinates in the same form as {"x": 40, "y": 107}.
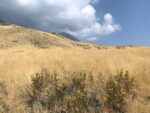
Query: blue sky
{"x": 133, "y": 17}
{"x": 109, "y": 22}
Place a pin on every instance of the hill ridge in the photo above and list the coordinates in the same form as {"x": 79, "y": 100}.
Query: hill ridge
{"x": 14, "y": 35}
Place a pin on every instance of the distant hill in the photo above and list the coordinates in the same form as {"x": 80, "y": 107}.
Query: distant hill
{"x": 67, "y": 35}
{"x": 13, "y": 35}
{"x": 1, "y": 21}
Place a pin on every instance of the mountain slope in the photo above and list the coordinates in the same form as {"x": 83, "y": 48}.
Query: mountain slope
{"x": 19, "y": 64}
{"x": 67, "y": 35}
{"x": 1, "y": 21}
{"x": 13, "y": 35}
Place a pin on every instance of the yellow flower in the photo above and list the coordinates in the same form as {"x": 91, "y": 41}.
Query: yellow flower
{"x": 104, "y": 98}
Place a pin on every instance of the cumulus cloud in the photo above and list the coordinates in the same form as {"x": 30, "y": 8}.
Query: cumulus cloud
{"x": 91, "y": 39}
{"x": 77, "y": 17}
{"x": 94, "y": 1}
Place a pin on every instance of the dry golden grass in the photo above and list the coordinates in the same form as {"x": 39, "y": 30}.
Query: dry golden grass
{"x": 18, "y": 64}
{"x": 19, "y": 59}
{"x": 13, "y": 35}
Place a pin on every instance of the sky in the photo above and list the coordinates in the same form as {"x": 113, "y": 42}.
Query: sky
{"x": 134, "y": 19}
{"x": 108, "y": 22}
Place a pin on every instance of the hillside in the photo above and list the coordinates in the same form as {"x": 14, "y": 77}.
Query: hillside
{"x": 13, "y": 35}
{"x": 69, "y": 36}
{"x": 24, "y": 52}
{"x": 1, "y": 21}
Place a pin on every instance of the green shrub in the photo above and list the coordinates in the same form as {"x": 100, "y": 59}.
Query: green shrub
{"x": 118, "y": 88}
{"x": 4, "y": 108}
{"x": 40, "y": 42}
{"x": 61, "y": 96}
{"x": 78, "y": 93}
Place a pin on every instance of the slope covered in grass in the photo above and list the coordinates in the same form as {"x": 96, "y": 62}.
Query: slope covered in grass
{"x": 24, "y": 52}
{"x": 17, "y": 65}
{"x": 13, "y": 35}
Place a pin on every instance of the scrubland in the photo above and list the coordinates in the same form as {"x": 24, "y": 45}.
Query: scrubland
{"x": 43, "y": 72}
{"x": 19, "y": 64}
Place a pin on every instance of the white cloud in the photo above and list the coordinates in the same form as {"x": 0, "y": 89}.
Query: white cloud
{"x": 97, "y": 29}
{"x": 94, "y": 1}
{"x": 108, "y": 18}
{"x": 92, "y": 39}
{"x": 74, "y": 16}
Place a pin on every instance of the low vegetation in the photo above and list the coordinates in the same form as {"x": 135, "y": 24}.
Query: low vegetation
{"x": 82, "y": 45}
{"x": 22, "y": 55}
{"x": 119, "y": 87}
{"x": 18, "y": 64}
{"x": 79, "y": 93}
{"x": 4, "y": 107}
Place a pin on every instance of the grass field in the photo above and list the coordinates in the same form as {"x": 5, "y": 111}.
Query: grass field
{"x": 24, "y": 52}
{"x": 18, "y": 64}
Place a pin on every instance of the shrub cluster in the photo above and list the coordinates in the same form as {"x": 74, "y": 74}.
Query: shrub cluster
{"x": 118, "y": 88}
{"x": 78, "y": 93}
{"x": 4, "y": 108}
{"x": 84, "y": 46}
{"x": 40, "y": 42}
